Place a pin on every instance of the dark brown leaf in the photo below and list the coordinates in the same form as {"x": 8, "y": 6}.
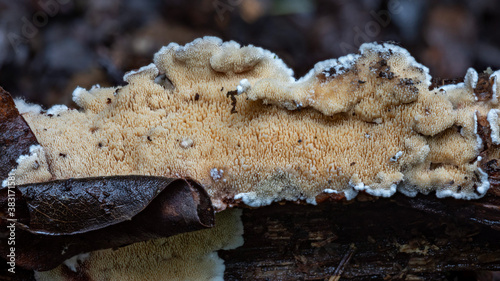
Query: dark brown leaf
{"x": 81, "y": 205}
{"x": 15, "y": 134}
{"x": 103, "y": 212}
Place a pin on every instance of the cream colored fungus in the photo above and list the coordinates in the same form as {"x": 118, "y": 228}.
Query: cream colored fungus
{"x": 366, "y": 121}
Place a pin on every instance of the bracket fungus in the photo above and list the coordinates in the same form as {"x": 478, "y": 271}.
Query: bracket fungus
{"x": 236, "y": 120}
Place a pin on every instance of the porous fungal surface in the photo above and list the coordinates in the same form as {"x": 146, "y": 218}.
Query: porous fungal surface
{"x": 235, "y": 119}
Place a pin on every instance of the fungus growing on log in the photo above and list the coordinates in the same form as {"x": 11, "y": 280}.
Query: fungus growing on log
{"x": 262, "y": 146}
{"x": 235, "y": 120}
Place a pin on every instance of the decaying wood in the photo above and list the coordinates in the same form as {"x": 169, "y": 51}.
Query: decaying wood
{"x": 401, "y": 238}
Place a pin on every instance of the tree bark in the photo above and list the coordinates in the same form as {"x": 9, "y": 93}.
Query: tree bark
{"x": 422, "y": 238}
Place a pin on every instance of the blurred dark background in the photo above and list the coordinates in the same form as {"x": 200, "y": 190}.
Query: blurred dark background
{"x": 48, "y": 47}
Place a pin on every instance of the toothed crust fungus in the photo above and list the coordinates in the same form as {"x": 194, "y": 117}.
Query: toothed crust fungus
{"x": 235, "y": 119}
